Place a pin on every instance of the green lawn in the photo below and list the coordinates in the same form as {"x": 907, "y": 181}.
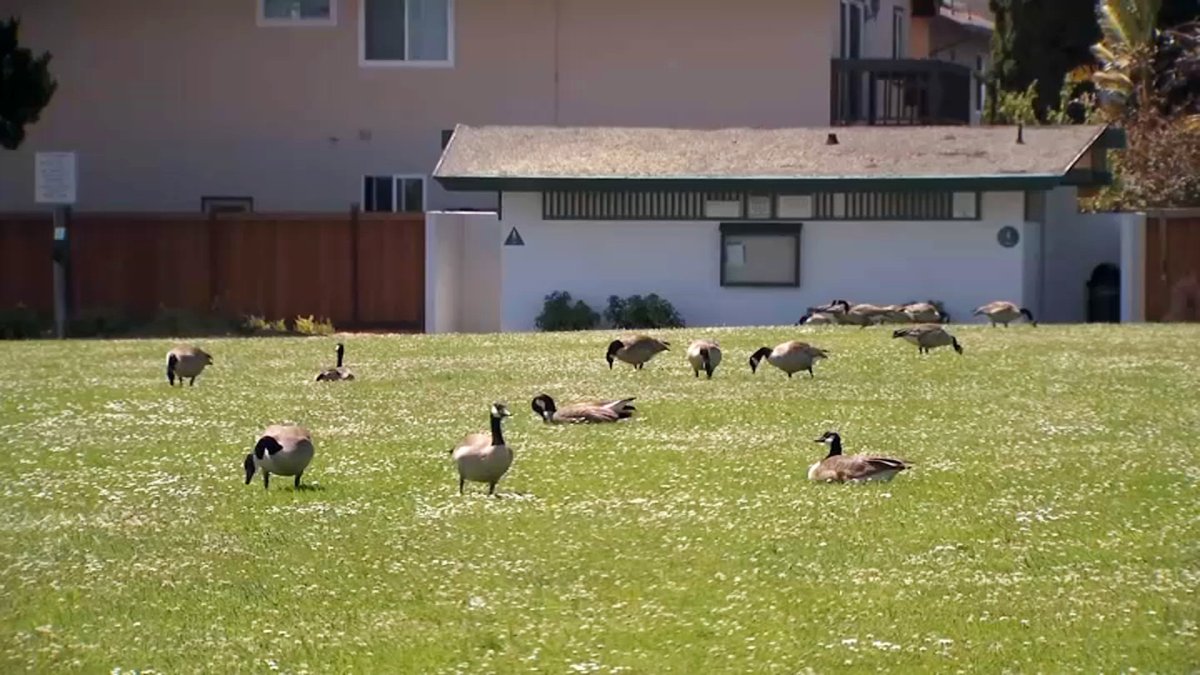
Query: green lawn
{"x": 1052, "y": 522}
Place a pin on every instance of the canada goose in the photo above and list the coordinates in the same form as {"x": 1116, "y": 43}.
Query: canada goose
{"x": 484, "y": 458}
{"x": 790, "y": 357}
{"x": 285, "y": 449}
{"x": 582, "y": 411}
{"x": 893, "y": 314}
{"x": 835, "y": 307}
{"x": 864, "y": 314}
{"x": 838, "y": 468}
{"x": 635, "y": 350}
{"x": 923, "y": 312}
{"x": 186, "y": 361}
{"x": 338, "y": 372}
{"x": 816, "y": 319}
{"x": 1002, "y": 311}
{"x": 704, "y": 355}
{"x": 928, "y": 336}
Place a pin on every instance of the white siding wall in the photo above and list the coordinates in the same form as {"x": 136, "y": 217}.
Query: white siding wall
{"x": 462, "y": 259}
{"x": 960, "y": 263}
{"x": 1075, "y": 244}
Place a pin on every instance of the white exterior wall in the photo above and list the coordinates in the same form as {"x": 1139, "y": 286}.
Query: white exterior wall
{"x": 1133, "y": 266}
{"x": 958, "y": 262}
{"x": 1075, "y": 243}
{"x": 463, "y": 277}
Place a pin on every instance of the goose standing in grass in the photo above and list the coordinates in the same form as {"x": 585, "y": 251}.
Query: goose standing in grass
{"x": 838, "y": 468}
{"x": 790, "y": 357}
{"x": 928, "y": 337}
{"x": 186, "y": 361}
{"x": 704, "y": 355}
{"x": 924, "y": 312}
{"x": 635, "y": 350}
{"x": 484, "y": 458}
{"x": 582, "y": 411}
{"x": 1003, "y": 311}
{"x": 285, "y": 449}
{"x": 338, "y": 372}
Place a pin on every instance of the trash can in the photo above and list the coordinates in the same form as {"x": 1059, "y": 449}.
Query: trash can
{"x": 1104, "y": 294}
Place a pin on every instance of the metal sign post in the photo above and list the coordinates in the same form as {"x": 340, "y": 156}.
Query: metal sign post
{"x": 55, "y": 179}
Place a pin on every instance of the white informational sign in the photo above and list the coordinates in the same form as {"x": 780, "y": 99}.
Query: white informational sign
{"x": 55, "y": 177}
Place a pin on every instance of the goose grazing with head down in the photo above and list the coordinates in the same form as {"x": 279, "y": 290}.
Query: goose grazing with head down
{"x": 1002, "y": 311}
{"x": 704, "y": 355}
{"x": 285, "y": 449}
{"x": 186, "y": 361}
{"x": 484, "y": 458}
{"x": 790, "y": 357}
{"x": 928, "y": 337}
{"x": 582, "y": 411}
{"x": 338, "y": 372}
{"x": 838, "y": 468}
{"x": 635, "y": 350}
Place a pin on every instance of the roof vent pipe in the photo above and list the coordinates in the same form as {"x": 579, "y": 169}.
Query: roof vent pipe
{"x": 1020, "y": 134}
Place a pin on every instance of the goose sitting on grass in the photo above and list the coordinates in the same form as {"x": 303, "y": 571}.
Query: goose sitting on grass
{"x": 484, "y": 458}
{"x": 838, "y": 468}
{"x": 338, "y": 372}
{"x": 186, "y": 361}
{"x": 285, "y": 449}
{"x": 582, "y": 411}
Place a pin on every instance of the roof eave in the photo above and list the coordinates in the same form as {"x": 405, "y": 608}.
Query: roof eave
{"x": 986, "y": 183}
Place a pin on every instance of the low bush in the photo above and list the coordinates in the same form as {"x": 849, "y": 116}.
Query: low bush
{"x": 635, "y": 311}
{"x": 100, "y": 322}
{"x": 21, "y": 323}
{"x": 307, "y": 325}
{"x": 559, "y": 314}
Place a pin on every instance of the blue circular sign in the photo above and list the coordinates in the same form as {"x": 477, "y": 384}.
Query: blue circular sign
{"x": 1008, "y": 236}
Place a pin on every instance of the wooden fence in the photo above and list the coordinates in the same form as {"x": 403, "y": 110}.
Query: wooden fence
{"x": 360, "y": 270}
{"x": 1172, "y": 269}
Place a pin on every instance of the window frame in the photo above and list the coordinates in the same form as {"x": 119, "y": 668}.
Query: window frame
{"x": 846, "y": 28}
{"x": 899, "y": 34}
{"x": 397, "y": 193}
{"x": 980, "y": 83}
{"x": 365, "y": 62}
{"x": 750, "y": 229}
{"x": 264, "y": 21}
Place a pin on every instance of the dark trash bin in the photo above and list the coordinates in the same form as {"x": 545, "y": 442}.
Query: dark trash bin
{"x": 1104, "y": 294}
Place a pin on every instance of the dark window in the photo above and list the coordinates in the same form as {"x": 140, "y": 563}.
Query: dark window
{"x": 899, "y": 48}
{"x": 760, "y": 254}
{"x": 414, "y": 194}
{"x": 393, "y": 194}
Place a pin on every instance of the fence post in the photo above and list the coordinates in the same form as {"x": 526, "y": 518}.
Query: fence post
{"x": 214, "y": 268}
{"x": 354, "y": 230}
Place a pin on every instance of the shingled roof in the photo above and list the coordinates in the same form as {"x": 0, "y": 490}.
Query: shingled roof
{"x": 539, "y": 157}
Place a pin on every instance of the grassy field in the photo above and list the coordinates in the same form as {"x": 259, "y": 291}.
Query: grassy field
{"x": 1052, "y": 522}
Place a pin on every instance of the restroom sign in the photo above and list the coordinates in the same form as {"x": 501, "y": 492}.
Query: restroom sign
{"x": 514, "y": 238}
{"x": 54, "y": 178}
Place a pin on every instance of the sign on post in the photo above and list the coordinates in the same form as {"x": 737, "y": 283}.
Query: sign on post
{"x": 55, "y": 176}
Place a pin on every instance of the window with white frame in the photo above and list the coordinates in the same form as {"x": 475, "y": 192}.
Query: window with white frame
{"x": 394, "y": 194}
{"x": 851, "y": 29}
{"x": 760, "y": 254}
{"x": 406, "y": 32}
{"x": 899, "y": 43}
{"x": 297, "y": 12}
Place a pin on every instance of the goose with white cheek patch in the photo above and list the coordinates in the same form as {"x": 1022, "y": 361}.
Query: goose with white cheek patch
{"x": 635, "y": 350}
{"x": 186, "y": 361}
{"x": 484, "y": 458}
{"x": 704, "y": 355}
{"x": 839, "y": 468}
{"x": 790, "y": 357}
{"x": 582, "y": 411}
{"x": 284, "y": 449}
{"x": 338, "y": 372}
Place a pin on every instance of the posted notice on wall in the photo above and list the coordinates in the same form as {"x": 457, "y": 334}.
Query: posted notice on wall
{"x": 55, "y": 177}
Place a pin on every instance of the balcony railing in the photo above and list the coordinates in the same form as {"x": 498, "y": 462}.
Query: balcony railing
{"x": 899, "y": 91}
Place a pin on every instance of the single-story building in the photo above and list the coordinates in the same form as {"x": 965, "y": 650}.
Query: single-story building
{"x": 751, "y": 226}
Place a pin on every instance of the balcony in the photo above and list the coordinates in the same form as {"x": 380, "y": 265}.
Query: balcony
{"x": 899, "y": 92}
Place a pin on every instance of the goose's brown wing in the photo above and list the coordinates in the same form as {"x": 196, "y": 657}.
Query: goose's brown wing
{"x": 587, "y": 413}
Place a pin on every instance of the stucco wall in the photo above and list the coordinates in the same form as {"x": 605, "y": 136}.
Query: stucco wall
{"x": 462, "y": 262}
{"x": 1075, "y": 244}
{"x": 960, "y": 263}
{"x": 170, "y": 100}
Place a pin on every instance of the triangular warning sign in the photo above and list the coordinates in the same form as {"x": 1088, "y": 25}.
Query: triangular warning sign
{"x": 514, "y": 238}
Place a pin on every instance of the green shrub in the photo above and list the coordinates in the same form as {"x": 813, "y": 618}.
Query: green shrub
{"x": 20, "y": 323}
{"x": 307, "y": 325}
{"x": 636, "y": 311}
{"x": 257, "y": 325}
{"x": 559, "y": 314}
{"x": 99, "y": 322}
